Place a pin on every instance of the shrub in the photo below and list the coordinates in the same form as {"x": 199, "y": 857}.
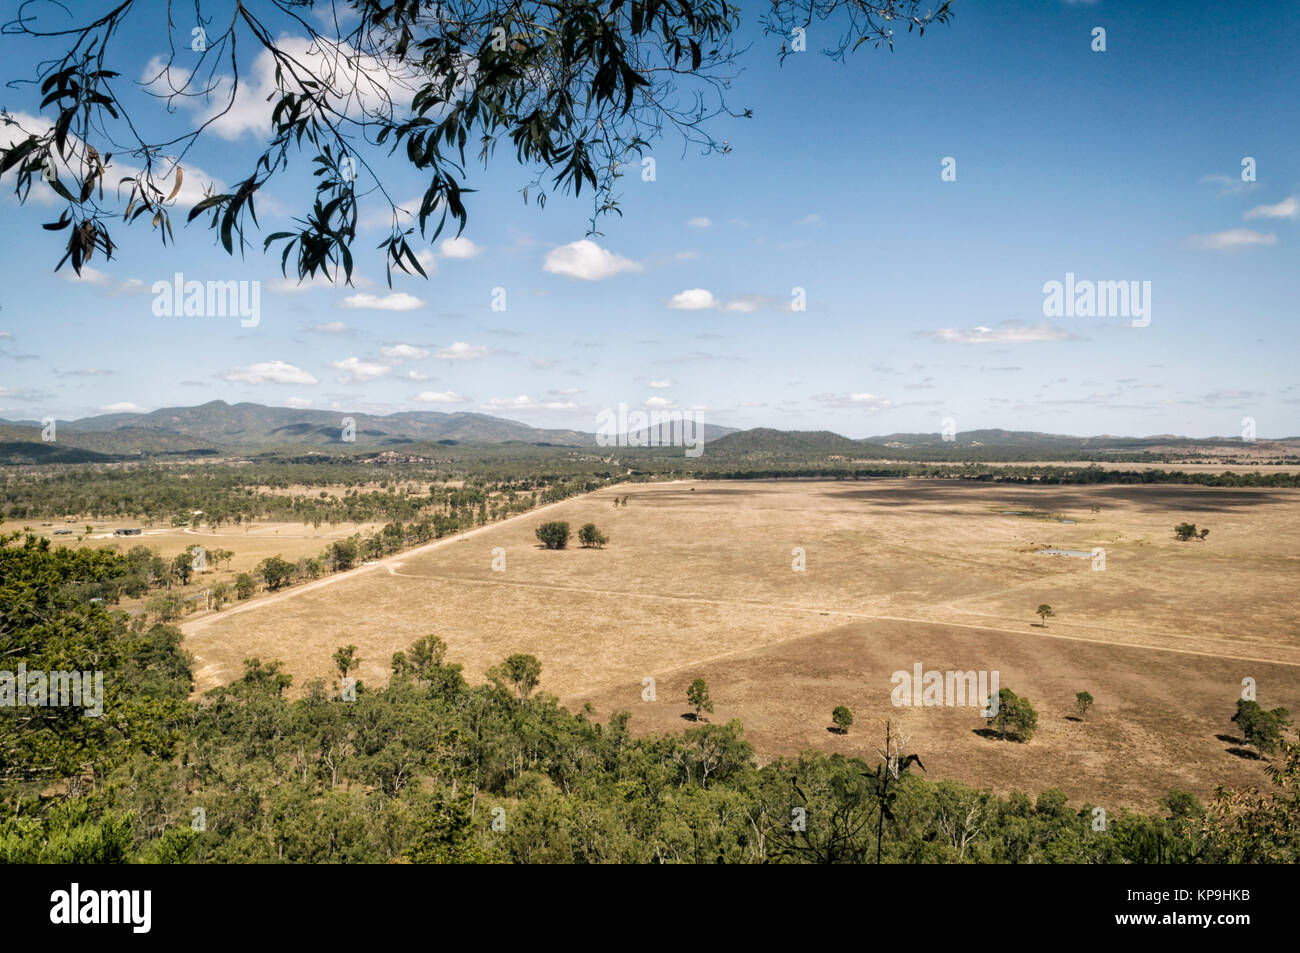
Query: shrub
{"x": 555, "y": 534}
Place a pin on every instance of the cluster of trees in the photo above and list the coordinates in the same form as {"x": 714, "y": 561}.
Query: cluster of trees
{"x": 554, "y": 534}
{"x": 472, "y": 494}
{"x": 1186, "y": 531}
{"x": 432, "y": 769}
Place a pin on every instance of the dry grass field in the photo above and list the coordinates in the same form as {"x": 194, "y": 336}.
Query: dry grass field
{"x": 697, "y": 581}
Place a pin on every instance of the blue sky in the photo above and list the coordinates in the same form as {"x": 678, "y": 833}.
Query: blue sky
{"x": 924, "y": 297}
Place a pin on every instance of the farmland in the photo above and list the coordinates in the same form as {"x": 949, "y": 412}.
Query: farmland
{"x": 699, "y": 581}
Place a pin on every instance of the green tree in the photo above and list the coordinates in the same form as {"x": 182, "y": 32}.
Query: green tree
{"x": 343, "y": 554}
{"x": 1261, "y": 729}
{"x": 843, "y": 718}
{"x": 1045, "y": 612}
{"x": 697, "y": 695}
{"x": 276, "y": 572}
{"x": 244, "y": 585}
{"x": 1082, "y": 702}
{"x": 346, "y": 659}
{"x": 590, "y": 536}
{"x": 1014, "y": 716}
{"x": 554, "y": 535}
{"x": 520, "y": 672}
{"x": 1186, "y": 531}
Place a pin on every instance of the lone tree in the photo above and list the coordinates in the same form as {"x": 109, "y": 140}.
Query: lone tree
{"x": 698, "y": 696}
{"x": 843, "y": 718}
{"x": 345, "y": 660}
{"x": 554, "y": 535}
{"x": 1045, "y": 612}
{"x": 1014, "y": 716}
{"x": 520, "y": 672}
{"x": 1186, "y": 531}
{"x": 576, "y": 91}
{"x": 590, "y": 536}
{"x": 1082, "y": 702}
{"x": 1262, "y": 729}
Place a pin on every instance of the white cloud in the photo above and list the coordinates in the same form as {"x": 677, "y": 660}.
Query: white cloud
{"x": 811, "y": 218}
{"x": 1233, "y": 238}
{"x": 125, "y": 407}
{"x": 460, "y": 351}
{"x": 458, "y": 248}
{"x": 354, "y": 81}
{"x": 699, "y": 221}
{"x": 398, "y": 301}
{"x": 331, "y": 327}
{"x": 1287, "y": 208}
{"x": 404, "y": 352}
{"x": 194, "y": 181}
{"x": 660, "y": 385}
{"x": 658, "y": 402}
{"x": 417, "y": 376}
{"x": 336, "y": 280}
{"x": 693, "y": 299}
{"x": 1007, "y": 334}
{"x": 524, "y": 403}
{"x": 439, "y": 397}
{"x": 359, "y": 371}
{"x": 427, "y": 261}
{"x": 297, "y": 403}
{"x": 270, "y": 372}
{"x": 6, "y": 335}
{"x": 587, "y": 261}
{"x": 745, "y": 303}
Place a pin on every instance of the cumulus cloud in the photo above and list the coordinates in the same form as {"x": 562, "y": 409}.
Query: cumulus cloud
{"x": 587, "y": 261}
{"x": 693, "y": 299}
{"x": 352, "y": 82}
{"x": 398, "y": 301}
{"x": 269, "y": 372}
{"x": 194, "y": 181}
{"x": 458, "y": 248}
{"x": 357, "y": 371}
{"x": 404, "y": 352}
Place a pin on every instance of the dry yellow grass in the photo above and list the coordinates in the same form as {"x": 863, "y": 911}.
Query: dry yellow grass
{"x": 697, "y": 581}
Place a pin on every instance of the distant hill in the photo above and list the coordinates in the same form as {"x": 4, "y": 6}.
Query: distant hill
{"x": 254, "y": 425}
{"x": 765, "y": 440}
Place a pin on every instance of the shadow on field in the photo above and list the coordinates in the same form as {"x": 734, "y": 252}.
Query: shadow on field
{"x": 1192, "y": 499}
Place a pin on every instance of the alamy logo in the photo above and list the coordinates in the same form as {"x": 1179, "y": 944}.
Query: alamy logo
{"x": 37, "y": 689}
{"x": 213, "y": 299}
{"x": 1098, "y": 299}
{"x": 134, "y": 907}
{"x": 936, "y": 689}
{"x": 658, "y": 428}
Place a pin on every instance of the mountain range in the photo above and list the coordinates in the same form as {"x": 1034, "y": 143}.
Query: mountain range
{"x": 217, "y": 428}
